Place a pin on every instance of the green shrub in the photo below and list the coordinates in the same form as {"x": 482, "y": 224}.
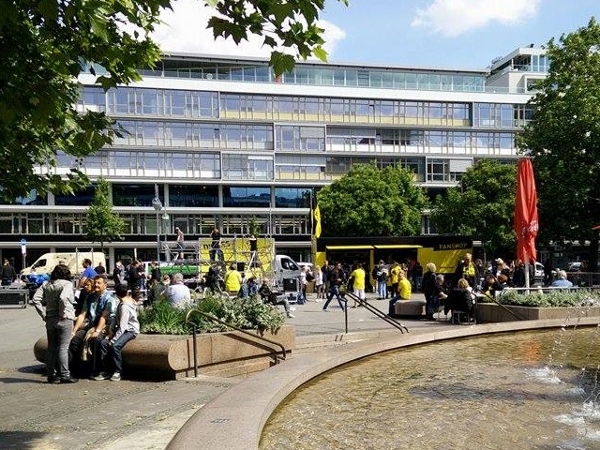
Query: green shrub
{"x": 248, "y": 314}
{"x": 554, "y": 298}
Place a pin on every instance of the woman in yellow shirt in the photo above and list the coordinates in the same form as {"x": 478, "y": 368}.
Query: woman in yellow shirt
{"x": 404, "y": 292}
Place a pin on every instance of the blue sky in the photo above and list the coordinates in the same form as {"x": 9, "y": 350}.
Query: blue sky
{"x": 423, "y": 33}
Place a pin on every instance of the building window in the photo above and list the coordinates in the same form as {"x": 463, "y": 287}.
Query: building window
{"x": 135, "y": 194}
{"x": 287, "y": 197}
{"x": 246, "y": 197}
{"x": 200, "y": 196}
{"x": 80, "y": 198}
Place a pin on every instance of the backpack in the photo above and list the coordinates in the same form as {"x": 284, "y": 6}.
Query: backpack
{"x": 383, "y": 275}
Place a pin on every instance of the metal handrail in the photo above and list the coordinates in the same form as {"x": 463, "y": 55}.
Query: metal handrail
{"x": 378, "y": 313}
{"x": 241, "y": 330}
{"x": 495, "y": 300}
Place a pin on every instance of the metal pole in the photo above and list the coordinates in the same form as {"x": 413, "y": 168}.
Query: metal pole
{"x": 195, "y": 347}
{"x": 157, "y": 205}
{"x": 346, "y": 315}
{"x": 157, "y": 237}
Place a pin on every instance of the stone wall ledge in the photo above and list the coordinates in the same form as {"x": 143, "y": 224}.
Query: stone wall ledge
{"x": 491, "y": 312}
{"x": 171, "y": 356}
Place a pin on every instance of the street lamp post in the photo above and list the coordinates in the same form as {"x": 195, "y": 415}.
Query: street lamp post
{"x": 165, "y": 224}
{"x": 157, "y": 205}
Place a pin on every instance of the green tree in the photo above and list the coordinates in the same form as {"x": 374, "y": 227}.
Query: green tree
{"x": 368, "y": 201}
{"x": 45, "y": 45}
{"x": 564, "y": 139}
{"x": 102, "y": 224}
{"x": 482, "y": 206}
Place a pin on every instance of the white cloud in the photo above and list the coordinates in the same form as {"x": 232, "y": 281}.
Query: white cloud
{"x": 184, "y": 30}
{"x": 454, "y": 17}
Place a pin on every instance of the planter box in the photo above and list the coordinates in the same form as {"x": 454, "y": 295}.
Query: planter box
{"x": 221, "y": 354}
{"x": 491, "y": 312}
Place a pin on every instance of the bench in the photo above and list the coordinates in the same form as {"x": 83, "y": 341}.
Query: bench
{"x": 410, "y": 308}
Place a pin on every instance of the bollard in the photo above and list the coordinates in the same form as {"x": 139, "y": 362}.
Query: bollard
{"x": 195, "y": 348}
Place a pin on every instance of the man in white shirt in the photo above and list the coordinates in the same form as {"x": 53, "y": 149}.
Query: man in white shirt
{"x": 178, "y": 293}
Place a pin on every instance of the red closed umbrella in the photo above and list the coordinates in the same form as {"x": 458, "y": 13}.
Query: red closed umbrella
{"x": 526, "y": 215}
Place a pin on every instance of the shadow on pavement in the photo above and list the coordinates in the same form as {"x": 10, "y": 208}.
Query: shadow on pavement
{"x": 21, "y": 440}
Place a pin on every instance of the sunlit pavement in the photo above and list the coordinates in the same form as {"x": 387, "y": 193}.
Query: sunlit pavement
{"x": 133, "y": 414}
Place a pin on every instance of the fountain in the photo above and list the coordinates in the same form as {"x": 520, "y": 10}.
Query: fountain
{"x": 519, "y": 390}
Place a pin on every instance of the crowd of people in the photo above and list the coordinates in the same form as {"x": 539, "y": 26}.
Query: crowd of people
{"x": 92, "y": 327}
{"x": 89, "y": 325}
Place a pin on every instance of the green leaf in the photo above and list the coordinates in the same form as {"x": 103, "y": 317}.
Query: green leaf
{"x": 320, "y": 53}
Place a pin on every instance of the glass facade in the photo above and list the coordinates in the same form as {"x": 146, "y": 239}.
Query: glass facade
{"x": 321, "y": 75}
{"x": 260, "y": 146}
{"x": 290, "y": 197}
{"x": 134, "y": 194}
{"x": 247, "y": 197}
{"x": 193, "y": 196}
{"x": 81, "y": 198}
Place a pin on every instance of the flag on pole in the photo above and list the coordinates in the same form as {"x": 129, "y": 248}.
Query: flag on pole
{"x": 526, "y": 215}
{"x": 316, "y": 220}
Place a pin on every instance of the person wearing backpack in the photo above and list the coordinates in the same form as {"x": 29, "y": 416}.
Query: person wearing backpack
{"x": 428, "y": 286}
{"x": 381, "y": 277}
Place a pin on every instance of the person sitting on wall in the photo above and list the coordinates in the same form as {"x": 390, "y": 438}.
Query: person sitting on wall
{"x": 233, "y": 280}
{"x": 124, "y": 327}
{"x": 268, "y": 296}
{"x": 83, "y": 295}
{"x": 490, "y": 287}
{"x": 178, "y": 293}
{"x": 404, "y": 292}
{"x": 561, "y": 280}
{"x": 249, "y": 288}
{"x": 92, "y": 323}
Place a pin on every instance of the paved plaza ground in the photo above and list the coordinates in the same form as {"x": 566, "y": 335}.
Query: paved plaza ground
{"x": 133, "y": 414}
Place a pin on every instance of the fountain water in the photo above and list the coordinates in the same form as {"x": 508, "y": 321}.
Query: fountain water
{"x": 519, "y": 390}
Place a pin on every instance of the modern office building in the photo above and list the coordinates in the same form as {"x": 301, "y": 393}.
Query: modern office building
{"x": 222, "y": 140}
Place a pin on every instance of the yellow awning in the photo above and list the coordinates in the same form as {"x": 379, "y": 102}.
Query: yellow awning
{"x": 349, "y": 247}
{"x": 393, "y": 246}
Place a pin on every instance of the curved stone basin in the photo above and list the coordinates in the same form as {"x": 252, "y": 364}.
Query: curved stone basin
{"x": 496, "y": 391}
{"x": 235, "y": 419}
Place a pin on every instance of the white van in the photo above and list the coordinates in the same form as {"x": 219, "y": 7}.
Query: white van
{"x": 48, "y": 261}
{"x": 285, "y": 268}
